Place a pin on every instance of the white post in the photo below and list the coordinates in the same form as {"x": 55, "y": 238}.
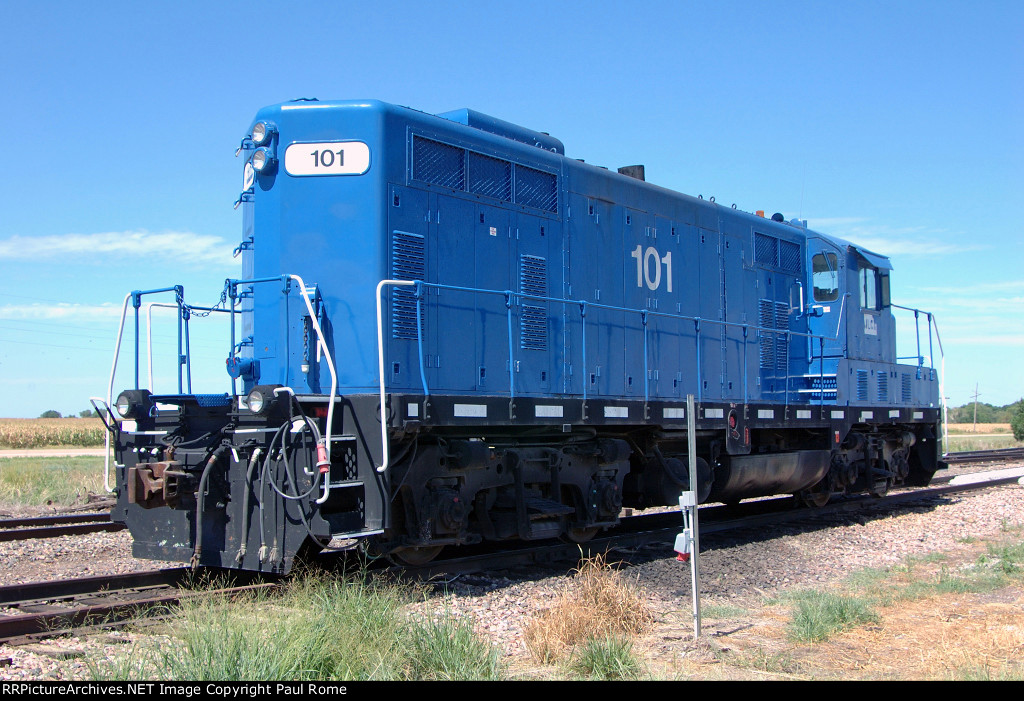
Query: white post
{"x": 691, "y": 439}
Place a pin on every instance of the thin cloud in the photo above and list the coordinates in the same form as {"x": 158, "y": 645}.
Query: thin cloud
{"x": 83, "y": 312}
{"x": 913, "y": 241}
{"x": 182, "y": 246}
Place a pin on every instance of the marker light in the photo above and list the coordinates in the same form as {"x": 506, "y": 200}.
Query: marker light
{"x": 262, "y": 132}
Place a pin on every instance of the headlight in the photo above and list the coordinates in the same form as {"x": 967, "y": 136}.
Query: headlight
{"x": 261, "y": 399}
{"x": 133, "y": 403}
{"x": 262, "y": 132}
{"x": 261, "y": 159}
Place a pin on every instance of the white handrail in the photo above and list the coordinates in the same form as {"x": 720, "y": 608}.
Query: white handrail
{"x": 149, "y": 335}
{"x": 110, "y": 391}
{"x": 322, "y": 344}
{"x": 385, "y": 457}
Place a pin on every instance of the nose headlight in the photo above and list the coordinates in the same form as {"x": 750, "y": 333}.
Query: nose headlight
{"x": 262, "y": 132}
{"x": 262, "y": 159}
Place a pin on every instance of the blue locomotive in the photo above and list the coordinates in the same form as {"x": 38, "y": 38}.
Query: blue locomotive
{"x": 446, "y": 331}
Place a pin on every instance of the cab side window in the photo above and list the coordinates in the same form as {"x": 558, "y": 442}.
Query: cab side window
{"x": 825, "y": 277}
{"x": 874, "y": 289}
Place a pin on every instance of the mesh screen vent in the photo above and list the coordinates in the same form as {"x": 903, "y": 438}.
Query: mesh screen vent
{"x": 491, "y": 177}
{"x": 437, "y": 163}
{"x": 536, "y": 188}
{"x": 789, "y": 256}
{"x": 766, "y": 250}
{"x": 906, "y": 392}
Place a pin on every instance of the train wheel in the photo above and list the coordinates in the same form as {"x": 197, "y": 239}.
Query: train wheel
{"x": 415, "y": 557}
{"x": 580, "y": 535}
{"x": 815, "y": 499}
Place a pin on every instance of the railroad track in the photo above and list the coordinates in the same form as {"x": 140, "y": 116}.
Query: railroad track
{"x": 1003, "y": 455}
{"x": 55, "y": 526}
{"x": 46, "y": 609}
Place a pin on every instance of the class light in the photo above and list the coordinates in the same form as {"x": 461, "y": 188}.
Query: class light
{"x": 262, "y": 132}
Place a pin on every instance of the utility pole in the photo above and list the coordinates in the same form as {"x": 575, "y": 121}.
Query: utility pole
{"x": 975, "y": 430}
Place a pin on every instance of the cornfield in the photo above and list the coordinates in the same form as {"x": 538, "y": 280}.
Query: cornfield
{"x": 40, "y": 433}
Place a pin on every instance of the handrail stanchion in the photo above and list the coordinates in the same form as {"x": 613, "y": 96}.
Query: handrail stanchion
{"x": 643, "y": 321}
{"x": 511, "y": 359}
{"x": 385, "y": 455}
{"x": 583, "y": 326}
{"x": 419, "y": 338}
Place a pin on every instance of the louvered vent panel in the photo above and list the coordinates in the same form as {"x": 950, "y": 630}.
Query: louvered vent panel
{"x": 906, "y": 393}
{"x": 782, "y": 341}
{"x": 766, "y": 320}
{"x": 536, "y": 188}
{"x": 491, "y": 177}
{"x": 408, "y": 262}
{"x": 883, "y": 387}
{"x": 437, "y": 163}
{"x": 766, "y": 250}
{"x": 789, "y": 256}
{"x": 862, "y": 385}
{"x": 533, "y": 324}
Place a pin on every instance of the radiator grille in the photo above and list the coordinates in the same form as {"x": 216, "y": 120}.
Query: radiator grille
{"x": 906, "y": 389}
{"x": 883, "y": 387}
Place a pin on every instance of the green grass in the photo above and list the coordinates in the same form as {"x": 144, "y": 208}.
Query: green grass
{"x": 963, "y": 443}
{"x": 43, "y": 481}
{"x": 818, "y": 615}
{"x": 609, "y": 658}
{"x": 721, "y": 611}
{"x": 319, "y": 629}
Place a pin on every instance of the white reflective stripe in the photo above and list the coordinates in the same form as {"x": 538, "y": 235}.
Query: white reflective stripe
{"x": 867, "y": 415}
{"x": 413, "y": 410}
{"x": 803, "y": 414}
{"x": 129, "y": 425}
{"x": 766, "y": 413}
{"x": 714, "y": 413}
{"x": 548, "y": 410}
{"x": 918, "y": 414}
{"x": 473, "y": 410}
{"x": 894, "y": 413}
{"x": 838, "y": 414}
{"x": 670, "y": 413}
{"x": 616, "y": 412}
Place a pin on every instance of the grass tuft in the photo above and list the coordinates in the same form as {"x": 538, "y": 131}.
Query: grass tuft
{"x": 818, "y": 615}
{"x": 608, "y": 658}
{"x": 598, "y": 602}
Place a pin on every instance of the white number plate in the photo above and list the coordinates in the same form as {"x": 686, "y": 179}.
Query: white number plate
{"x": 327, "y": 158}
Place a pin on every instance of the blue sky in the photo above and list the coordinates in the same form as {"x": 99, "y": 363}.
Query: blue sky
{"x": 898, "y": 125}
